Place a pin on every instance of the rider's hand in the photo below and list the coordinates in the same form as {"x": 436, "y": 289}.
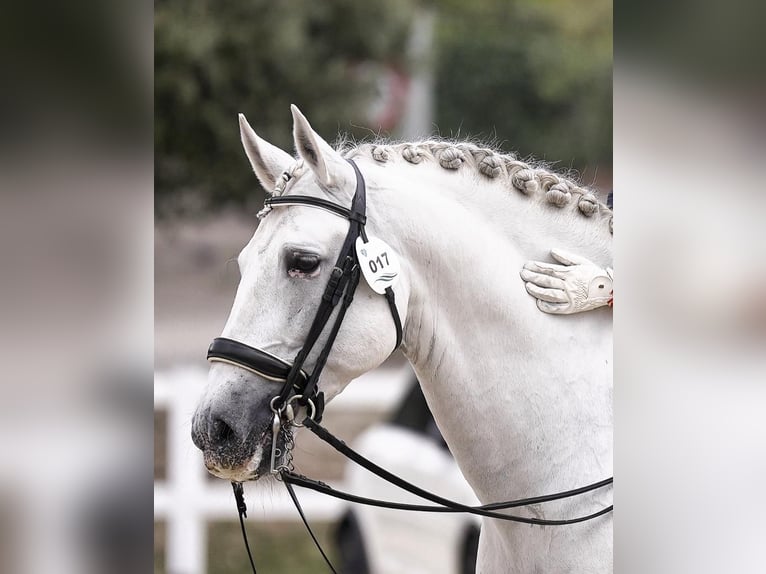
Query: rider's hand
{"x": 576, "y": 285}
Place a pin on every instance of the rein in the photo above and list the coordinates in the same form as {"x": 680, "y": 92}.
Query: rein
{"x": 445, "y": 505}
{"x": 302, "y": 389}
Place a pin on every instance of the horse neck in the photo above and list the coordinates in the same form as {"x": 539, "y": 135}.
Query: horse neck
{"x": 507, "y": 384}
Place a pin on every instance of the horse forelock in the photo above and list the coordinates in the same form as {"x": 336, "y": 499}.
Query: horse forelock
{"x": 526, "y": 177}
{"x": 293, "y": 172}
{"x": 290, "y": 174}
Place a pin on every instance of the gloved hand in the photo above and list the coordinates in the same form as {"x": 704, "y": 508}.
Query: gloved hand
{"x": 577, "y": 285}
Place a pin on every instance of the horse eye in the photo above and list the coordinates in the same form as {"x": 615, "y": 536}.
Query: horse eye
{"x": 302, "y": 264}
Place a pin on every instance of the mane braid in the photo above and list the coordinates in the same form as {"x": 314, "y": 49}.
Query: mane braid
{"x": 531, "y": 179}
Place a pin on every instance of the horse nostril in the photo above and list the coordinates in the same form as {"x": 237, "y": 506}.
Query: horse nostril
{"x": 220, "y": 432}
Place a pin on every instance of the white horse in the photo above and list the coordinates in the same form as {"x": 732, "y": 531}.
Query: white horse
{"x": 523, "y": 399}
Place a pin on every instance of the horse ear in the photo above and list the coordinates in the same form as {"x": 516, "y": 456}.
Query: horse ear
{"x": 268, "y": 161}
{"x": 326, "y": 163}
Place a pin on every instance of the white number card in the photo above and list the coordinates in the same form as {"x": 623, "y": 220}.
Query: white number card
{"x": 380, "y": 264}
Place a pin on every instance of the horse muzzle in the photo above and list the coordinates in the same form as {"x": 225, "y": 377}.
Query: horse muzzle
{"x": 233, "y": 426}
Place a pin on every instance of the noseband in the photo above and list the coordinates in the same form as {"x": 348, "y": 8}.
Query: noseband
{"x": 298, "y": 386}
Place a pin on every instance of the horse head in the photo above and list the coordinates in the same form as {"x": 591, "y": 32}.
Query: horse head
{"x": 284, "y": 272}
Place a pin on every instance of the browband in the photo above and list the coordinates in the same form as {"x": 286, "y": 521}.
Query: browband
{"x": 311, "y": 201}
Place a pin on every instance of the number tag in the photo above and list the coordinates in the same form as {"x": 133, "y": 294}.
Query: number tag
{"x": 379, "y": 263}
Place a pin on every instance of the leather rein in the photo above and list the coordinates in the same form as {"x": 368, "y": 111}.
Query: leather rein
{"x": 300, "y": 390}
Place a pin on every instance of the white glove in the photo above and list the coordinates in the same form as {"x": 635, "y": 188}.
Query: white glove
{"x": 577, "y": 285}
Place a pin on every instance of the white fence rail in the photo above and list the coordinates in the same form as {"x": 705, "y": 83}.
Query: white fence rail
{"x": 186, "y": 500}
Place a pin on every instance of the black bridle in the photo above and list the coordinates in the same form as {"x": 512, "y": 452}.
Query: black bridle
{"x": 302, "y": 389}
{"x": 298, "y": 386}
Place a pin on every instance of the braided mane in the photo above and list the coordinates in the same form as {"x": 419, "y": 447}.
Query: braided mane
{"x": 526, "y": 178}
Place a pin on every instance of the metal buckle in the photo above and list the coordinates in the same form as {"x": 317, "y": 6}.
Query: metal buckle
{"x": 275, "y": 410}
{"x": 290, "y": 412}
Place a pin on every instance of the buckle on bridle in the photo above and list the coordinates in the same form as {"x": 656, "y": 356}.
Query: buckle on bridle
{"x": 290, "y": 413}
{"x": 333, "y": 285}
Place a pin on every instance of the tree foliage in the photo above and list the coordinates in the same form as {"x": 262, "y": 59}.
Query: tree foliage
{"x": 214, "y": 59}
{"x": 535, "y": 75}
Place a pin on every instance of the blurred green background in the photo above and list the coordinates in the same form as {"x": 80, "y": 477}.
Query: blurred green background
{"x": 532, "y": 76}
{"x": 278, "y": 547}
